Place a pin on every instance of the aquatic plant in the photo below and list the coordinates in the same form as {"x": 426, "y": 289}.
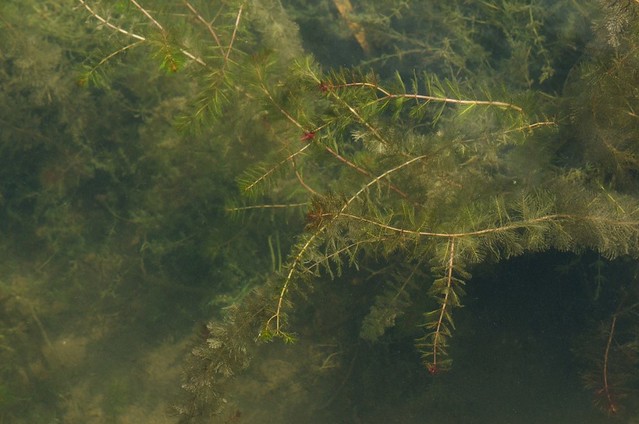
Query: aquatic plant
{"x": 466, "y": 154}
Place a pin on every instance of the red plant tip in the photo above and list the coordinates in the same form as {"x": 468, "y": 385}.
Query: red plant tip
{"x": 432, "y": 369}
{"x": 308, "y": 135}
{"x": 324, "y": 87}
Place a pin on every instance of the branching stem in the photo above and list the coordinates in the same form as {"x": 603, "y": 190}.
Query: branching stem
{"x": 445, "y": 305}
{"x": 277, "y": 316}
{"x": 148, "y": 15}
{"x": 208, "y": 26}
{"x": 512, "y": 226}
{"x": 134, "y": 35}
{"x": 388, "y": 95}
{"x": 339, "y": 157}
{"x": 237, "y": 24}
{"x": 109, "y": 24}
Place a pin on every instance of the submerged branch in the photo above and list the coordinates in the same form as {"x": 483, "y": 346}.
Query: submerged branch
{"x": 137, "y": 36}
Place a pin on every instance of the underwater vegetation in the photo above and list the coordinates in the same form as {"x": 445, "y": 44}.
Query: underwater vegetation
{"x": 350, "y": 195}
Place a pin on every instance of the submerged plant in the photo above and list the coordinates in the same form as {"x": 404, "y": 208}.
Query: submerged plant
{"x": 414, "y": 179}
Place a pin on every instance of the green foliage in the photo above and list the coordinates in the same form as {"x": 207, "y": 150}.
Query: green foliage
{"x": 106, "y": 205}
{"x": 410, "y": 189}
{"x": 390, "y": 305}
{"x": 434, "y": 165}
{"x": 439, "y": 323}
{"x": 445, "y": 159}
{"x": 604, "y": 111}
{"x": 438, "y": 150}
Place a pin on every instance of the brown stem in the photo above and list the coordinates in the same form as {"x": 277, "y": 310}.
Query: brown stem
{"x": 433, "y": 367}
{"x": 612, "y": 406}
